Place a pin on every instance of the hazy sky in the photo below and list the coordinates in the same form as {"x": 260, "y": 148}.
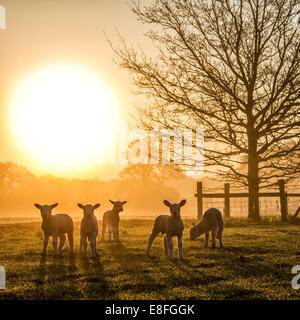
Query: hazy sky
{"x": 40, "y": 33}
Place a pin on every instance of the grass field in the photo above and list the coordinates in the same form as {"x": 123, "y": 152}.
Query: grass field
{"x": 255, "y": 264}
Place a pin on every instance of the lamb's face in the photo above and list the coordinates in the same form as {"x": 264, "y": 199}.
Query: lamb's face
{"x": 193, "y": 233}
{"x": 88, "y": 210}
{"x": 197, "y": 230}
{"x": 175, "y": 207}
{"x": 118, "y": 205}
{"x": 46, "y": 210}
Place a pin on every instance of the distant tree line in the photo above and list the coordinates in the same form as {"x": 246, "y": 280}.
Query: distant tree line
{"x": 143, "y": 186}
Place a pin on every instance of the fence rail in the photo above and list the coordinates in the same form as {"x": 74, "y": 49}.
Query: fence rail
{"x": 282, "y": 194}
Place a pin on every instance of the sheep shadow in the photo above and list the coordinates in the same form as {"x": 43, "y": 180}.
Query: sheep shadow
{"x": 179, "y": 272}
{"x": 93, "y": 279}
{"x": 243, "y": 262}
{"x": 131, "y": 262}
{"x": 56, "y": 278}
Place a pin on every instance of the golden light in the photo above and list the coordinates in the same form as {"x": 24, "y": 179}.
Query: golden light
{"x": 62, "y": 116}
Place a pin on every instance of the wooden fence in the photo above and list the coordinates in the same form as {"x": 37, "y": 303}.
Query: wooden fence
{"x": 282, "y": 194}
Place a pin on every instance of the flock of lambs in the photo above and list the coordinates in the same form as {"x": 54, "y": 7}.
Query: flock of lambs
{"x": 58, "y": 225}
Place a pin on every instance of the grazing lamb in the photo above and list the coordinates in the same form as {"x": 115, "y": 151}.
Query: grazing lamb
{"x": 111, "y": 218}
{"x": 171, "y": 226}
{"x": 88, "y": 229}
{"x": 56, "y": 226}
{"x": 211, "y": 221}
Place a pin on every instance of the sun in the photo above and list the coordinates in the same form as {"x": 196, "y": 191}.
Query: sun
{"x": 62, "y": 117}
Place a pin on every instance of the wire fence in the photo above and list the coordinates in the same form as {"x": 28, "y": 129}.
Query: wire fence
{"x": 239, "y": 206}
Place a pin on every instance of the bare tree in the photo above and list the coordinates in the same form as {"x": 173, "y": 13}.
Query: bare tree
{"x": 231, "y": 67}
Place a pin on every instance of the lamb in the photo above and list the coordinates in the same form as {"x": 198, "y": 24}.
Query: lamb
{"x": 88, "y": 229}
{"x": 211, "y": 221}
{"x": 56, "y": 226}
{"x": 171, "y": 226}
{"x": 111, "y": 218}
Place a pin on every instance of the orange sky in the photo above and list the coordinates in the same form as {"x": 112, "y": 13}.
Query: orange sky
{"x": 43, "y": 33}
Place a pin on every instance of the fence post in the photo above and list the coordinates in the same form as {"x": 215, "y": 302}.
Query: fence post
{"x": 283, "y": 200}
{"x": 297, "y": 212}
{"x": 226, "y": 200}
{"x": 199, "y": 200}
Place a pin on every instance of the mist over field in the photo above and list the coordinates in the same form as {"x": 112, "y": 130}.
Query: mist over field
{"x": 143, "y": 186}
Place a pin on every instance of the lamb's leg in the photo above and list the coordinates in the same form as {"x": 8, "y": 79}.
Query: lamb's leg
{"x": 80, "y": 246}
{"x": 180, "y": 247}
{"x": 214, "y": 235}
{"x": 114, "y": 232}
{"x": 84, "y": 244}
{"x": 117, "y": 231}
{"x": 71, "y": 242}
{"x": 96, "y": 252}
{"x": 152, "y": 237}
{"x": 221, "y": 240}
{"x": 206, "y": 239}
{"x": 110, "y": 231}
{"x": 170, "y": 241}
{"x": 166, "y": 245}
{"x": 46, "y": 240}
{"x": 93, "y": 247}
{"x": 62, "y": 240}
{"x": 54, "y": 243}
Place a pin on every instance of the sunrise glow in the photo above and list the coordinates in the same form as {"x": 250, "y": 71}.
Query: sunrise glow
{"x": 62, "y": 116}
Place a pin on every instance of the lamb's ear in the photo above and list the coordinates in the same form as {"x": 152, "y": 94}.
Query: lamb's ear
{"x": 112, "y": 202}
{"x": 54, "y": 205}
{"x": 37, "y": 205}
{"x": 182, "y": 203}
{"x": 81, "y": 206}
{"x": 123, "y": 202}
{"x": 96, "y": 205}
{"x": 167, "y": 203}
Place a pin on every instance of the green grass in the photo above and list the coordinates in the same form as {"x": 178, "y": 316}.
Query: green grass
{"x": 256, "y": 263}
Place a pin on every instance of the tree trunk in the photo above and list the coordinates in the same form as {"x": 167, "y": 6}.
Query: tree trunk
{"x": 253, "y": 177}
{"x": 253, "y": 201}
